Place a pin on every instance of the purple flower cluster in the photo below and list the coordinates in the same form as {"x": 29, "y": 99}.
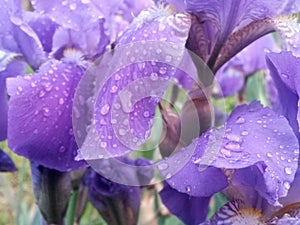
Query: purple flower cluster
{"x": 98, "y": 74}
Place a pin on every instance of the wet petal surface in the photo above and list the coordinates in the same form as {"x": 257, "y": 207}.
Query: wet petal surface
{"x": 40, "y": 115}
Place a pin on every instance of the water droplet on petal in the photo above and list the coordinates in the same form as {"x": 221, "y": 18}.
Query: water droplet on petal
{"x": 62, "y": 149}
{"x": 46, "y": 111}
{"x": 269, "y": 154}
{"x": 288, "y": 170}
{"x": 240, "y": 120}
{"x": 188, "y": 188}
{"x": 244, "y": 133}
{"x": 105, "y": 109}
{"x": 154, "y": 76}
{"x": 163, "y": 166}
{"x": 284, "y": 75}
{"x": 234, "y": 146}
{"x": 61, "y": 101}
{"x": 122, "y": 132}
{"x": 73, "y": 6}
{"x": 287, "y": 185}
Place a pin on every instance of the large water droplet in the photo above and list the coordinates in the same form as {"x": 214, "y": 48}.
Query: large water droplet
{"x": 234, "y": 146}
{"x": 122, "y": 132}
{"x": 163, "y": 166}
{"x": 269, "y": 155}
{"x": 240, "y": 120}
{"x": 288, "y": 170}
{"x": 73, "y": 6}
{"x": 287, "y": 185}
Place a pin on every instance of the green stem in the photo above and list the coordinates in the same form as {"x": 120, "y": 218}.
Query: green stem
{"x": 72, "y": 208}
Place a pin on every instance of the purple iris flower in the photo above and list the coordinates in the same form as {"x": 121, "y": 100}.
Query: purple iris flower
{"x": 40, "y": 109}
{"x": 231, "y": 76}
{"x": 221, "y": 29}
{"x": 262, "y": 154}
{"x": 118, "y": 203}
{"x": 40, "y": 115}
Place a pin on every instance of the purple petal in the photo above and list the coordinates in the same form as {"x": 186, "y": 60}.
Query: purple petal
{"x": 235, "y": 25}
{"x": 6, "y": 164}
{"x": 44, "y": 27}
{"x": 73, "y": 14}
{"x": 132, "y": 85}
{"x": 17, "y": 36}
{"x": 188, "y": 179}
{"x": 229, "y": 15}
{"x": 91, "y": 40}
{"x": 231, "y": 75}
{"x": 256, "y": 136}
{"x": 12, "y": 69}
{"x": 288, "y": 221}
{"x": 284, "y": 69}
{"x": 39, "y": 116}
{"x": 191, "y": 210}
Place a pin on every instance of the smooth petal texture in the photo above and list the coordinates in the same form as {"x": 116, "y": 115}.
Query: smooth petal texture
{"x": 40, "y": 115}
{"x": 12, "y": 69}
{"x": 284, "y": 70}
{"x": 191, "y": 210}
{"x": 91, "y": 40}
{"x": 44, "y": 27}
{"x": 252, "y": 135}
{"x": 6, "y": 164}
{"x": 134, "y": 83}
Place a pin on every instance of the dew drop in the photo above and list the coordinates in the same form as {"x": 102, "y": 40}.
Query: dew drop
{"x": 244, "y": 133}
{"x": 114, "y": 89}
{"x": 284, "y": 75}
{"x": 287, "y": 185}
{"x": 269, "y": 154}
{"x": 154, "y": 76}
{"x": 163, "y": 166}
{"x": 36, "y": 131}
{"x": 225, "y": 152}
{"x": 122, "y": 132}
{"x": 233, "y": 146}
{"x": 103, "y": 144}
{"x": 188, "y": 188}
{"x": 288, "y": 170}
{"x": 62, "y": 149}
{"x": 73, "y": 6}
{"x": 61, "y": 101}
{"x": 46, "y": 111}
{"x": 240, "y": 120}
{"x": 105, "y": 109}
{"x": 146, "y": 114}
